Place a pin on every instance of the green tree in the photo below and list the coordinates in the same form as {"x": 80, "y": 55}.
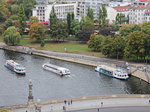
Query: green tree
{"x": 107, "y": 46}
{"x": 86, "y": 22}
{"x": 75, "y": 27}
{"x": 22, "y": 19}
{"x": 122, "y": 19}
{"x": 135, "y": 45}
{"x": 69, "y": 21}
{"x": 59, "y": 31}
{"x": 90, "y": 14}
{"x": 53, "y": 18}
{"x": 95, "y": 42}
{"x": 146, "y": 28}
{"x": 33, "y": 19}
{"x": 37, "y": 31}
{"x": 11, "y": 36}
{"x": 28, "y": 6}
{"x": 9, "y": 23}
{"x": 126, "y": 30}
{"x": 2, "y": 17}
{"x": 102, "y": 16}
{"x": 85, "y": 33}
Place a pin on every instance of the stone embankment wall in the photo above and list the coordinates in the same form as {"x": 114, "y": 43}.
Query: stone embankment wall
{"x": 138, "y": 70}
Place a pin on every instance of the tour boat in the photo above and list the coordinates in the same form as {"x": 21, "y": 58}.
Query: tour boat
{"x": 113, "y": 72}
{"x": 56, "y": 69}
{"x": 12, "y": 65}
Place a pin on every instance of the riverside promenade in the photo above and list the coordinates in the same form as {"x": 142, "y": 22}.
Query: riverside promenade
{"x": 82, "y": 103}
{"x": 141, "y": 71}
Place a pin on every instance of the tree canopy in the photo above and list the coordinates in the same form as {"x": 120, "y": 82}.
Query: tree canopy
{"x": 11, "y": 36}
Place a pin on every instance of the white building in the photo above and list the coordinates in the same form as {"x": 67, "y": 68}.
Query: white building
{"x": 83, "y": 6}
{"x": 61, "y": 10}
{"x": 111, "y": 15}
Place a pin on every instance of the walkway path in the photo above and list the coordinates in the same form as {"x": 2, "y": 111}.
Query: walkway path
{"x": 86, "y": 103}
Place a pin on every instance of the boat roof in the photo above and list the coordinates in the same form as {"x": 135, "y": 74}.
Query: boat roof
{"x": 108, "y": 68}
{"x": 54, "y": 66}
{"x": 12, "y": 62}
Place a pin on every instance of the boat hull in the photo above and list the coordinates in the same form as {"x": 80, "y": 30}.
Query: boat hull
{"x": 12, "y": 69}
{"x": 55, "y": 71}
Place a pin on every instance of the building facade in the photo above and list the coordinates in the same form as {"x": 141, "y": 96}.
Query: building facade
{"x": 42, "y": 12}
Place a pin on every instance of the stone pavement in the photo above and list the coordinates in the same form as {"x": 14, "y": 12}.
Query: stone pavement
{"x": 111, "y": 101}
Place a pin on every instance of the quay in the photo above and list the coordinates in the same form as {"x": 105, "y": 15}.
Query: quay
{"x": 90, "y": 102}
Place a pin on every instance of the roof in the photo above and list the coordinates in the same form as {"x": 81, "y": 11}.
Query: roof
{"x": 143, "y": 0}
{"x": 122, "y": 8}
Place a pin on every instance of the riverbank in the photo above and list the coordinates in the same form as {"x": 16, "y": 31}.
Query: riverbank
{"x": 138, "y": 70}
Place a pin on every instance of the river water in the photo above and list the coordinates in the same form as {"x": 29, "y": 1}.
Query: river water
{"x": 83, "y": 81}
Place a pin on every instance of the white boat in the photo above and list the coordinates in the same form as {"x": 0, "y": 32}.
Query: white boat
{"x": 56, "y": 69}
{"x": 113, "y": 72}
{"x": 12, "y": 65}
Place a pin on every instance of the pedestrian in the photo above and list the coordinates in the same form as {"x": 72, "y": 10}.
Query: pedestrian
{"x": 65, "y": 101}
{"x": 101, "y": 104}
{"x": 71, "y": 102}
{"x": 149, "y": 101}
{"x": 98, "y": 109}
{"x": 68, "y": 102}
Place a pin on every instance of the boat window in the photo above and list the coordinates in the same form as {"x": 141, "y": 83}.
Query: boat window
{"x": 51, "y": 67}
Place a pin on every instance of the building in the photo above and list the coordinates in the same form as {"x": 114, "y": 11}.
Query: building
{"x": 83, "y": 5}
{"x": 42, "y": 12}
{"x": 138, "y": 11}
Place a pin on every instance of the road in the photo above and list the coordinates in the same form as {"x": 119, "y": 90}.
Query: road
{"x": 118, "y": 109}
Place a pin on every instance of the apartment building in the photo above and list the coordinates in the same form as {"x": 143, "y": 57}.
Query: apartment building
{"x": 138, "y": 11}
{"x": 83, "y": 5}
{"x": 43, "y": 11}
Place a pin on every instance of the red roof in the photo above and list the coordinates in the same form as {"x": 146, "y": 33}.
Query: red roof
{"x": 122, "y": 8}
{"x": 143, "y": 0}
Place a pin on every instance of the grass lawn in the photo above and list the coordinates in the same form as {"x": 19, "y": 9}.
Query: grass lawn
{"x": 71, "y": 47}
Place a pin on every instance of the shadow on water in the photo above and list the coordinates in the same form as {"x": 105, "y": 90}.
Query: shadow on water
{"x": 137, "y": 86}
{"x": 11, "y": 55}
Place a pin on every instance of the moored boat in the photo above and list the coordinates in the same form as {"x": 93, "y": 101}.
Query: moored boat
{"x": 56, "y": 69}
{"x": 113, "y": 72}
{"x": 12, "y": 65}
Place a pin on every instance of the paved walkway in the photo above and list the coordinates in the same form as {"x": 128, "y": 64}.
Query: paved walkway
{"x": 86, "y": 104}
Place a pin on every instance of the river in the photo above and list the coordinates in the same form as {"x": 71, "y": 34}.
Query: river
{"x": 83, "y": 81}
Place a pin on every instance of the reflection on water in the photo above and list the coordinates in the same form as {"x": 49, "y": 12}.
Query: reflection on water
{"x": 83, "y": 81}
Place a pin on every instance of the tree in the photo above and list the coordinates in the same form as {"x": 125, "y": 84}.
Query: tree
{"x": 75, "y": 27}
{"x": 37, "y": 31}
{"x": 126, "y": 30}
{"x": 1, "y": 29}
{"x": 59, "y": 31}
{"x": 107, "y": 46}
{"x": 22, "y": 19}
{"x": 86, "y": 22}
{"x": 122, "y": 19}
{"x": 95, "y": 42}
{"x": 2, "y": 17}
{"x": 69, "y": 21}
{"x": 146, "y": 28}
{"x": 107, "y": 31}
{"x": 102, "y": 16}
{"x": 135, "y": 45}
{"x": 9, "y": 23}
{"x": 85, "y": 33}
{"x": 53, "y": 18}
{"x": 11, "y": 36}
{"x": 90, "y": 14}
{"x": 33, "y": 19}
{"x": 28, "y": 6}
